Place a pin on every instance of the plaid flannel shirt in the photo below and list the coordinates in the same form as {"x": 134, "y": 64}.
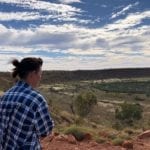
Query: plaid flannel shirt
{"x": 24, "y": 118}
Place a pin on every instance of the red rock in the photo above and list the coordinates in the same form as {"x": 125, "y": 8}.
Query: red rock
{"x": 51, "y": 137}
{"x": 71, "y": 139}
{"x": 61, "y": 138}
{"x": 93, "y": 144}
{"x": 128, "y": 144}
{"x": 145, "y": 134}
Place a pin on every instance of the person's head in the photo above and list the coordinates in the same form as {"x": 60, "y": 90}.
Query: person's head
{"x": 28, "y": 69}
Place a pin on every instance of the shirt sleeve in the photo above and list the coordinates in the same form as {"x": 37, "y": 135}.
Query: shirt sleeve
{"x": 43, "y": 121}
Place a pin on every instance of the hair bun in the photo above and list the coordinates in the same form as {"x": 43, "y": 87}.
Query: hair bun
{"x": 16, "y": 63}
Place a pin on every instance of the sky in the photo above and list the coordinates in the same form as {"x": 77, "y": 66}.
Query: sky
{"x": 76, "y": 34}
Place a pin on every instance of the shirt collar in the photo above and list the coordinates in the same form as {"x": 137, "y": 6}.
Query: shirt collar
{"x": 23, "y": 84}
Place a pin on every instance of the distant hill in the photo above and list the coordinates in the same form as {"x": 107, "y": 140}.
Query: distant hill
{"x": 79, "y": 75}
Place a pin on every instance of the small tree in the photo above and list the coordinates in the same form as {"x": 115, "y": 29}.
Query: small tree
{"x": 84, "y": 103}
{"x": 129, "y": 112}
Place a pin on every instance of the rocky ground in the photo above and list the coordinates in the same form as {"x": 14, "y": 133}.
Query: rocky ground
{"x": 68, "y": 142}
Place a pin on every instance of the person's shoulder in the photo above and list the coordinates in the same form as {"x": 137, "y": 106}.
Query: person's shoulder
{"x": 31, "y": 99}
{"x": 37, "y": 97}
{"x": 36, "y": 93}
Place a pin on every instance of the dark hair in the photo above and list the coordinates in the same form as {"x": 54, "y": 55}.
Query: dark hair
{"x": 25, "y": 66}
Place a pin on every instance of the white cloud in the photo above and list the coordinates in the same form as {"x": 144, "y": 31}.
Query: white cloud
{"x": 55, "y": 12}
{"x": 70, "y": 1}
{"x": 28, "y": 16}
{"x": 87, "y": 52}
{"x": 122, "y": 12}
{"x": 114, "y": 45}
{"x": 5, "y": 61}
{"x": 130, "y": 21}
{"x": 75, "y": 63}
{"x": 15, "y": 49}
{"x": 43, "y": 6}
{"x": 69, "y": 37}
{"x": 19, "y": 16}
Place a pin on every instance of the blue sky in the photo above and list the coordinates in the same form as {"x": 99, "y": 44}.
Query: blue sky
{"x": 76, "y": 34}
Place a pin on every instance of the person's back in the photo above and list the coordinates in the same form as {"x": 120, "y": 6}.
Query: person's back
{"x": 24, "y": 118}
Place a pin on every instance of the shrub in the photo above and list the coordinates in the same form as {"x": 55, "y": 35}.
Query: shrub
{"x": 100, "y": 139}
{"x": 129, "y": 112}
{"x": 118, "y": 141}
{"x": 129, "y": 131}
{"x": 112, "y": 136}
{"x": 137, "y": 98}
{"x": 77, "y": 132}
{"x": 79, "y": 120}
{"x": 118, "y": 125}
{"x": 84, "y": 103}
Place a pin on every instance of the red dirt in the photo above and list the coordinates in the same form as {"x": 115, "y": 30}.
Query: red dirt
{"x": 64, "y": 142}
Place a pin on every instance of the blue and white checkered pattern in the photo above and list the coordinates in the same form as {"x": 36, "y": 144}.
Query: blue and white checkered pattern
{"x": 24, "y": 118}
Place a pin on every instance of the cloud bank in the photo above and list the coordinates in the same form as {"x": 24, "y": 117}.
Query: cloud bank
{"x": 68, "y": 46}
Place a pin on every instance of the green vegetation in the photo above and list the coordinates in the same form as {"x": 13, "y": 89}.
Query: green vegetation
{"x": 100, "y": 139}
{"x": 118, "y": 141}
{"x": 140, "y": 87}
{"x": 77, "y": 131}
{"x": 104, "y": 108}
{"x": 129, "y": 112}
{"x": 84, "y": 103}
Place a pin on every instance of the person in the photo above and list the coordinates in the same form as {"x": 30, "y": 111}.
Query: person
{"x": 24, "y": 114}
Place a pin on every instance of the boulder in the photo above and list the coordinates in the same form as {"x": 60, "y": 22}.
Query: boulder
{"x": 93, "y": 144}
{"x": 71, "y": 139}
{"x": 128, "y": 144}
{"x": 61, "y": 138}
{"x": 145, "y": 134}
